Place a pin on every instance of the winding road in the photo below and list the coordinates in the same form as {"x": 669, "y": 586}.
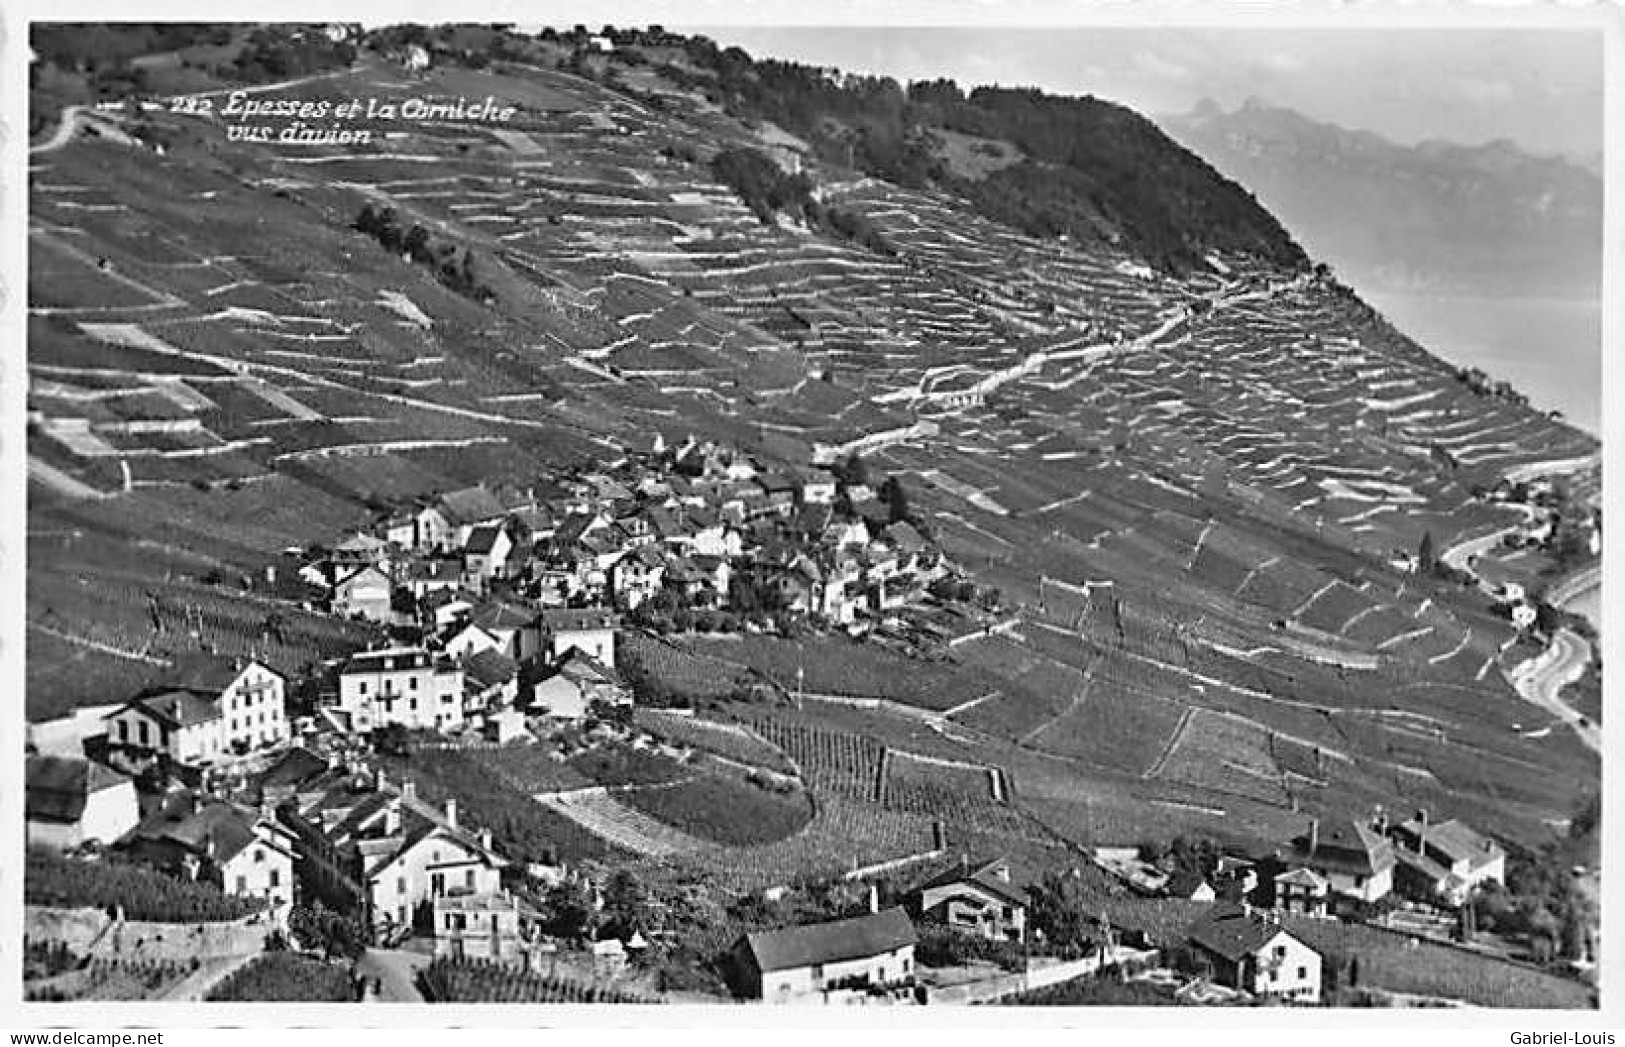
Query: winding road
{"x": 1541, "y": 679}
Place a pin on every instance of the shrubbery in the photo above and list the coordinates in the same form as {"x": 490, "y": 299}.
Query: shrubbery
{"x": 143, "y": 893}
{"x": 287, "y": 976}
{"x": 487, "y": 981}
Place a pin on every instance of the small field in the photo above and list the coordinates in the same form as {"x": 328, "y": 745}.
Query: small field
{"x": 50, "y": 879}
{"x": 286, "y": 976}
{"x": 724, "y": 810}
{"x": 727, "y": 740}
{"x": 477, "y": 981}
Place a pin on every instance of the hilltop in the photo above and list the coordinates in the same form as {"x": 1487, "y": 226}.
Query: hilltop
{"x": 1195, "y": 468}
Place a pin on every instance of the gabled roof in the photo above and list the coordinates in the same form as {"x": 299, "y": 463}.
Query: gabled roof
{"x": 578, "y": 666}
{"x": 1232, "y": 931}
{"x": 820, "y": 943}
{"x": 482, "y": 541}
{"x": 204, "y": 673}
{"x": 357, "y": 574}
{"x": 1343, "y": 845}
{"x": 489, "y": 668}
{"x": 497, "y": 614}
{"x": 216, "y": 828}
{"x": 471, "y": 505}
{"x": 57, "y": 787}
{"x": 174, "y": 708}
{"x": 1303, "y": 877}
{"x": 293, "y": 768}
{"x": 1455, "y": 839}
{"x": 984, "y": 876}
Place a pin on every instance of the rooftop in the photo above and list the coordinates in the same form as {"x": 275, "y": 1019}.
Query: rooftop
{"x": 869, "y": 935}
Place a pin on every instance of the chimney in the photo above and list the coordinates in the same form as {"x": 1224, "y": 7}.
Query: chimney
{"x": 334, "y": 761}
{"x": 409, "y": 790}
{"x": 451, "y": 812}
{"x": 874, "y": 898}
{"x": 392, "y": 818}
{"x": 485, "y": 839}
{"x": 1314, "y": 835}
{"x": 380, "y": 782}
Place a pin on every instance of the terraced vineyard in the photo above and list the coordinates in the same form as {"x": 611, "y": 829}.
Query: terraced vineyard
{"x": 1185, "y": 483}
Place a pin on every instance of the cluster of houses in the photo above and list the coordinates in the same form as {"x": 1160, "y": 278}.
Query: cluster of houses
{"x": 693, "y": 527}
{"x": 1336, "y": 868}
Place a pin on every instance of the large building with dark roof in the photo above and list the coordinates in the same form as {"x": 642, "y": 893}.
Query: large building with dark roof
{"x": 821, "y": 962}
{"x": 1357, "y": 862}
{"x": 205, "y": 709}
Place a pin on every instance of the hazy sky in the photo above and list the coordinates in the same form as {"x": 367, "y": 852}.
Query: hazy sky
{"x": 1541, "y": 88}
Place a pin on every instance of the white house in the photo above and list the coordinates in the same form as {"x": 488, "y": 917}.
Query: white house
{"x": 363, "y": 593}
{"x": 68, "y": 800}
{"x": 1445, "y": 861}
{"x": 1250, "y": 952}
{"x": 591, "y": 629}
{"x": 839, "y": 961}
{"x": 206, "y": 708}
{"x": 417, "y": 854}
{"x": 244, "y": 851}
{"x": 485, "y": 554}
{"x": 401, "y": 685}
{"x": 979, "y": 900}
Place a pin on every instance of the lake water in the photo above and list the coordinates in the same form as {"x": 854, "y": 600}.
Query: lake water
{"x": 1589, "y": 604}
{"x": 1550, "y": 349}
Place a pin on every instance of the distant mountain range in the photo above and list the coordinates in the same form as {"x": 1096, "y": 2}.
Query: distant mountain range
{"x": 1434, "y": 217}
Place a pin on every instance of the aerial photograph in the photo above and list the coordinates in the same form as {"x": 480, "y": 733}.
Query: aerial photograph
{"x": 898, "y": 517}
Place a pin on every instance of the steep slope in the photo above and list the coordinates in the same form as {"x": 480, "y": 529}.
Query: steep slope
{"x": 1188, "y": 486}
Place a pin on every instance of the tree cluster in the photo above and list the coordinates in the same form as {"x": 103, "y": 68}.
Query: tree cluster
{"x": 453, "y": 267}
{"x": 1090, "y": 168}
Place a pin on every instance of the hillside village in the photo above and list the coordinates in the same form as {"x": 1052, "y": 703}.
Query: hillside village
{"x": 571, "y": 575}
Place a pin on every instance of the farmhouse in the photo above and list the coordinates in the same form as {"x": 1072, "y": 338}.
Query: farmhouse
{"x": 1250, "y": 952}
{"x": 978, "y": 899}
{"x": 367, "y": 847}
{"x": 68, "y": 800}
{"x": 1356, "y": 862}
{"x": 409, "y": 686}
{"x": 831, "y": 962}
{"x": 205, "y": 708}
{"x": 240, "y": 850}
{"x": 1444, "y": 861}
